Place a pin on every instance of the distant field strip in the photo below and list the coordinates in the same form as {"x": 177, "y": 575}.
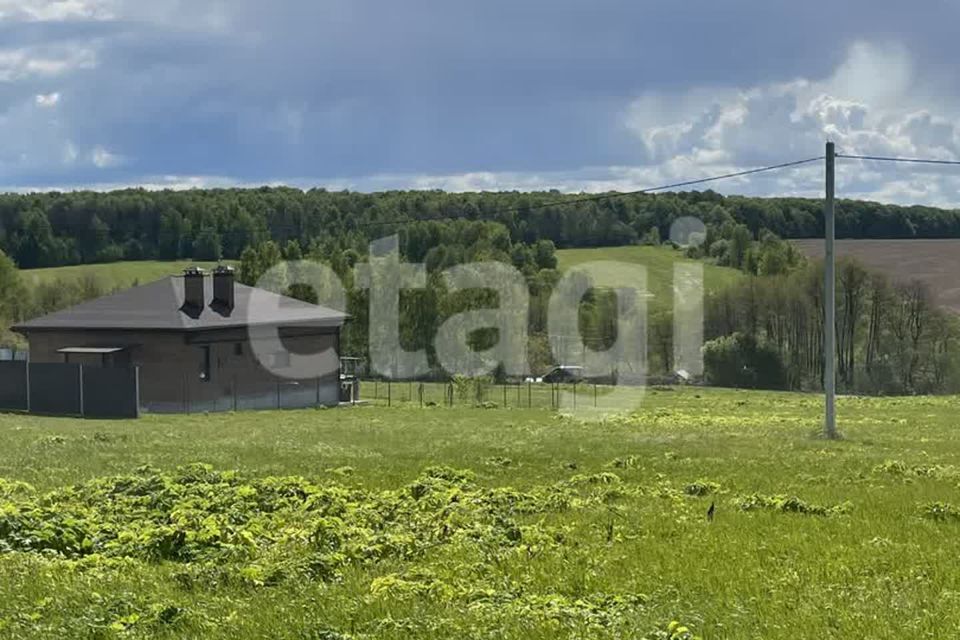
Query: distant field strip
{"x": 115, "y": 274}
{"x": 933, "y": 262}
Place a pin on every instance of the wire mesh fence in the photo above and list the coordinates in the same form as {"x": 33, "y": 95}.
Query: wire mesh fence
{"x": 473, "y": 393}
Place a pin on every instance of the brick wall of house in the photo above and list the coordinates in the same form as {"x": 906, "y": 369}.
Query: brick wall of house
{"x": 171, "y": 364}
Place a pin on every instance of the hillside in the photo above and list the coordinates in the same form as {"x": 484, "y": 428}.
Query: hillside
{"x": 113, "y": 274}
{"x": 659, "y": 262}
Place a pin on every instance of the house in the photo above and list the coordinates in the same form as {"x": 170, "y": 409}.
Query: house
{"x": 201, "y": 343}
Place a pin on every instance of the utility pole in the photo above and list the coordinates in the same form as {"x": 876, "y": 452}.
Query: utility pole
{"x": 829, "y": 300}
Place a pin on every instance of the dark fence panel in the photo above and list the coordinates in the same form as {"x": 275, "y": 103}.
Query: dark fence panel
{"x": 111, "y": 392}
{"x": 13, "y": 386}
{"x": 240, "y": 393}
{"x": 55, "y": 388}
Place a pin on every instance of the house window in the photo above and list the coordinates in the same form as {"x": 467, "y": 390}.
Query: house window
{"x": 238, "y": 348}
{"x": 205, "y": 363}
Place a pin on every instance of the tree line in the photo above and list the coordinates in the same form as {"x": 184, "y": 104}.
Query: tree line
{"x": 891, "y": 336}
{"x": 56, "y": 229}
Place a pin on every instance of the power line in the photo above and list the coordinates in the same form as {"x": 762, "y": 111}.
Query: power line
{"x": 605, "y": 196}
{"x": 904, "y": 160}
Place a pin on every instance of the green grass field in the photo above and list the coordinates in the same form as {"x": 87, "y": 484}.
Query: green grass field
{"x": 114, "y": 274}
{"x": 402, "y": 522}
{"x": 659, "y": 262}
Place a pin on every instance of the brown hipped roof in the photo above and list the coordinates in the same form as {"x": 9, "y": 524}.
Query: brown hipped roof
{"x": 157, "y": 307}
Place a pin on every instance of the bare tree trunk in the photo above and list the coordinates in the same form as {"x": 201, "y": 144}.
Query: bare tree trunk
{"x": 879, "y": 302}
{"x": 918, "y": 309}
{"x": 853, "y": 280}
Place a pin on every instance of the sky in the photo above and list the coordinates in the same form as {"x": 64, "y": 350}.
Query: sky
{"x": 477, "y": 95}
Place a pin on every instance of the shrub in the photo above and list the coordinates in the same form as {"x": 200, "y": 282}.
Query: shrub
{"x": 701, "y": 488}
{"x": 789, "y": 504}
{"x": 740, "y": 360}
{"x": 940, "y": 511}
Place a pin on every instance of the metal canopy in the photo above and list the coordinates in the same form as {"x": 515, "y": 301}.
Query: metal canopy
{"x": 94, "y": 350}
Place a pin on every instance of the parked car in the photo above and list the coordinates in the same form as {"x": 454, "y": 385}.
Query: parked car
{"x": 563, "y": 373}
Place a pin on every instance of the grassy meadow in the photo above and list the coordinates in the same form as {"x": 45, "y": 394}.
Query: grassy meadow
{"x": 113, "y": 275}
{"x": 659, "y": 262}
{"x": 435, "y": 522}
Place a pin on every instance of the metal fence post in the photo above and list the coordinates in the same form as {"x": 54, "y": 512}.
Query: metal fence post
{"x": 389, "y": 398}
{"x": 80, "y": 386}
{"x": 529, "y": 396}
{"x": 136, "y": 388}
{"x": 420, "y": 393}
{"x": 27, "y": 370}
{"x": 504, "y": 394}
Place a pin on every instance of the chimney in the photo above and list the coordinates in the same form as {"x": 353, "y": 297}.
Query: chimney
{"x": 193, "y": 289}
{"x": 223, "y": 296}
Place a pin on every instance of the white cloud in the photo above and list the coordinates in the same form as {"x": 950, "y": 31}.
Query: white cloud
{"x": 150, "y": 183}
{"x": 878, "y": 75}
{"x": 70, "y": 153}
{"x": 47, "y": 100}
{"x": 104, "y": 159}
{"x": 26, "y": 62}
{"x": 873, "y": 104}
{"x": 56, "y": 10}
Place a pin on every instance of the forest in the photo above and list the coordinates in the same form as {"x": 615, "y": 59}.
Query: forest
{"x": 764, "y": 331}
{"x": 54, "y": 229}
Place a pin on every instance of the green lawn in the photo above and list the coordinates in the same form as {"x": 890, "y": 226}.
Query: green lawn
{"x": 659, "y": 262}
{"x": 115, "y": 274}
{"x": 402, "y": 522}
